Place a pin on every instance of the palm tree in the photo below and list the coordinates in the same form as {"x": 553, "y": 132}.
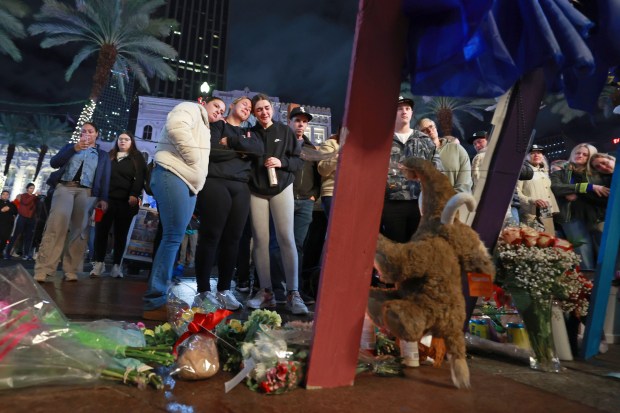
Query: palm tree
{"x": 48, "y": 132}
{"x": 11, "y": 27}
{"x": 121, "y": 34}
{"x": 13, "y": 129}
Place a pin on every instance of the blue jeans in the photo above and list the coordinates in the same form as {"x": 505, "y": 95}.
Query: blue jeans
{"x": 577, "y": 231}
{"x": 301, "y": 223}
{"x": 176, "y": 204}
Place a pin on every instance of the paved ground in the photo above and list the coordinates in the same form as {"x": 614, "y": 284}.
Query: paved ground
{"x": 498, "y": 383}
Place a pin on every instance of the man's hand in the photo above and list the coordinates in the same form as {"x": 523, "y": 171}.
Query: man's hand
{"x": 103, "y": 205}
{"x": 5, "y": 208}
{"x": 133, "y": 201}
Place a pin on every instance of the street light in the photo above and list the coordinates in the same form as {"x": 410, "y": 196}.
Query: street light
{"x": 205, "y": 88}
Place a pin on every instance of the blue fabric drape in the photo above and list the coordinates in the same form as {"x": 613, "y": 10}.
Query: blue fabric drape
{"x": 480, "y": 48}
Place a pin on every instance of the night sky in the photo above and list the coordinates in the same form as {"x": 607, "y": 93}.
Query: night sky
{"x": 298, "y": 50}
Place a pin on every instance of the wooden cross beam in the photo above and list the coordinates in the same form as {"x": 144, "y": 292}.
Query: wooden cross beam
{"x": 370, "y": 110}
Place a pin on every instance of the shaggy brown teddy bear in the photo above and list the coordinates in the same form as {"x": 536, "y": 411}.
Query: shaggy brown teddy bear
{"x": 427, "y": 270}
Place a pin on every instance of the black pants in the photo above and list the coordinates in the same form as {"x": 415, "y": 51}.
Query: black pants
{"x": 25, "y": 227}
{"x": 223, "y": 207}
{"x": 400, "y": 219}
{"x": 119, "y": 214}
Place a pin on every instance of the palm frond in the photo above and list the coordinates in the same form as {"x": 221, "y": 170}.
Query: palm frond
{"x": 82, "y": 55}
{"x": 11, "y": 27}
{"x": 125, "y": 25}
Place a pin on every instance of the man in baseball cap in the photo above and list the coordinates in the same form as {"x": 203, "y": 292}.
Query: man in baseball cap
{"x": 406, "y": 101}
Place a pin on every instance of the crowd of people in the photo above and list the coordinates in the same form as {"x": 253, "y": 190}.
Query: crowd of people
{"x": 219, "y": 183}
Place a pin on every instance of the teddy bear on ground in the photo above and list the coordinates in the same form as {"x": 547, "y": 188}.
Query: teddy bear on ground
{"x": 427, "y": 271}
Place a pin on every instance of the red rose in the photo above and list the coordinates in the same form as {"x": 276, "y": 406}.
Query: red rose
{"x": 511, "y": 235}
{"x": 545, "y": 240}
{"x": 562, "y": 244}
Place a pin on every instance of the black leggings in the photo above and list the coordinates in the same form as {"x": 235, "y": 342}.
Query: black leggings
{"x": 119, "y": 214}
{"x": 223, "y": 207}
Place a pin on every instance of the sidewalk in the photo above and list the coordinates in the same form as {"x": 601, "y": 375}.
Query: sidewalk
{"x": 498, "y": 384}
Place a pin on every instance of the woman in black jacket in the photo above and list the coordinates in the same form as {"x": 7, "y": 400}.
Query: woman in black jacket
{"x": 581, "y": 196}
{"x": 224, "y": 202}
{"x": 126, "y": 184}
{"x": 271, "y": 185}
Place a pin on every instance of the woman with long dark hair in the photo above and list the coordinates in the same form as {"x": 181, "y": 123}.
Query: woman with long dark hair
{"x": 126, "y": 184}
{"x": 271, "y": 187}
{"x": 224, "y": 202}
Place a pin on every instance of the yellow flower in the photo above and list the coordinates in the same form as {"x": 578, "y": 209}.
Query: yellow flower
{"x": 166, "y": 327}
{"x": 149, "y": 332}
{"x": 236, "y": 325}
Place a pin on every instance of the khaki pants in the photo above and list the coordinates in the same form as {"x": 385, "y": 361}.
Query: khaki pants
{"x": 67, "y": 223}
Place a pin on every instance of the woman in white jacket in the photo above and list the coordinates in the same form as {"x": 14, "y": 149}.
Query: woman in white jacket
{"x": 538, "y": 202}
{"x": 182, "y": 163}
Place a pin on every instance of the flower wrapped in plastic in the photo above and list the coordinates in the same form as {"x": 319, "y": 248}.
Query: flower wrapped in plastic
{"x": 39, "y": 346}
{"x": 535, "y": 268}
{"x": 198, "y": 357}
{"x": 278, "y": 369}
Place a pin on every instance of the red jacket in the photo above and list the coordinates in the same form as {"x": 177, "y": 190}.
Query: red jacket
{"x": 27, "y": 205}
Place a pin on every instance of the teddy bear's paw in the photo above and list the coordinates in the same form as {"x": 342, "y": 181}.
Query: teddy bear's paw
{"x": 460, "y": 373}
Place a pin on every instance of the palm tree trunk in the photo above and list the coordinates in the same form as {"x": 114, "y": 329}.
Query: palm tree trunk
{"x": 105, "y": 62}
{"x": 444, "y": 121}
{"x": 42, "y": 152}
{"x": 9, "y": 158}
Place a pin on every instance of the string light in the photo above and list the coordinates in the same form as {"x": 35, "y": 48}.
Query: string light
{"x": 85, "y": 116}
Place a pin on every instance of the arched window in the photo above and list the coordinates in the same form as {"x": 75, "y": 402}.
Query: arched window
{"x": 147, "y": 133}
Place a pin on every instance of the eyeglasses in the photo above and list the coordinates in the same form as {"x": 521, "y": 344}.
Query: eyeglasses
{"x": 428, "y": 128}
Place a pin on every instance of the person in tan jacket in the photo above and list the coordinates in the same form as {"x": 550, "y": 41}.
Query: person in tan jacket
{"x": 327, "y": 170}
{"x": 181, "y": 166}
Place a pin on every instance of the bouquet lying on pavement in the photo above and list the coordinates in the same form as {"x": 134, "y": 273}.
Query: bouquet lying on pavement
{"x": 38, "y": 345}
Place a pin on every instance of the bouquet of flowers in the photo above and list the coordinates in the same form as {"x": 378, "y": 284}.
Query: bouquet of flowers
{"x": 541, "y": 265}
{"x": 272, "y": 356}
{"x": 534, "y": 267}
{"x": 38, "y": 345}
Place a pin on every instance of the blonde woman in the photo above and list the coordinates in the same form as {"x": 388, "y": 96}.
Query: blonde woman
{"x": 538, "y": 203}
{"x": 579, "y": 193}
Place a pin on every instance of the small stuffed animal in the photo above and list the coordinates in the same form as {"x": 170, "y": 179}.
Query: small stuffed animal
{"x": 427, "y": 270}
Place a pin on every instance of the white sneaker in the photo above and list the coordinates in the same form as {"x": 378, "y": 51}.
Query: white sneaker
{"x": 262, "y": 299}
{"x": 228, "y": 300}
{"x": 295, "y": 304}
{"x": 116, "y": 271}
{"x": 207, "y": 300}
{"x": 98, "y": 269}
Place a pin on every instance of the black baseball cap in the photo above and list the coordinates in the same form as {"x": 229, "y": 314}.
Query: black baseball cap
{"x": 300, "y": 110}
{"x": 477, "y": 135}
{"x": 538, "y": 148}
{"x": 406, "y": 101}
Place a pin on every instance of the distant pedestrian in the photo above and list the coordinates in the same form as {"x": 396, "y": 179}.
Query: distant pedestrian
{"x": 8, "y": 211}
{"x": 26, "y": 222}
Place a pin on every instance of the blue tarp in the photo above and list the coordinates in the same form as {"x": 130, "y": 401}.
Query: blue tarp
{"x": 480, "y": 48}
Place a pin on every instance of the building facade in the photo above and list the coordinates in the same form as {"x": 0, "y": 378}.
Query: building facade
{"x": 201, "y": 43}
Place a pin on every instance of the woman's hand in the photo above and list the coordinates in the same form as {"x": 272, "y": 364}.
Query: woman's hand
{"x": 541, "y": 203}
{"x": 600, "y": 190}
{"x": 133, "y": 201}
{"x": 571, "y": 197}
{"x": 103, "y": 205}
{"x": 273, "y": 163}
{"x": 224, "y": 141}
